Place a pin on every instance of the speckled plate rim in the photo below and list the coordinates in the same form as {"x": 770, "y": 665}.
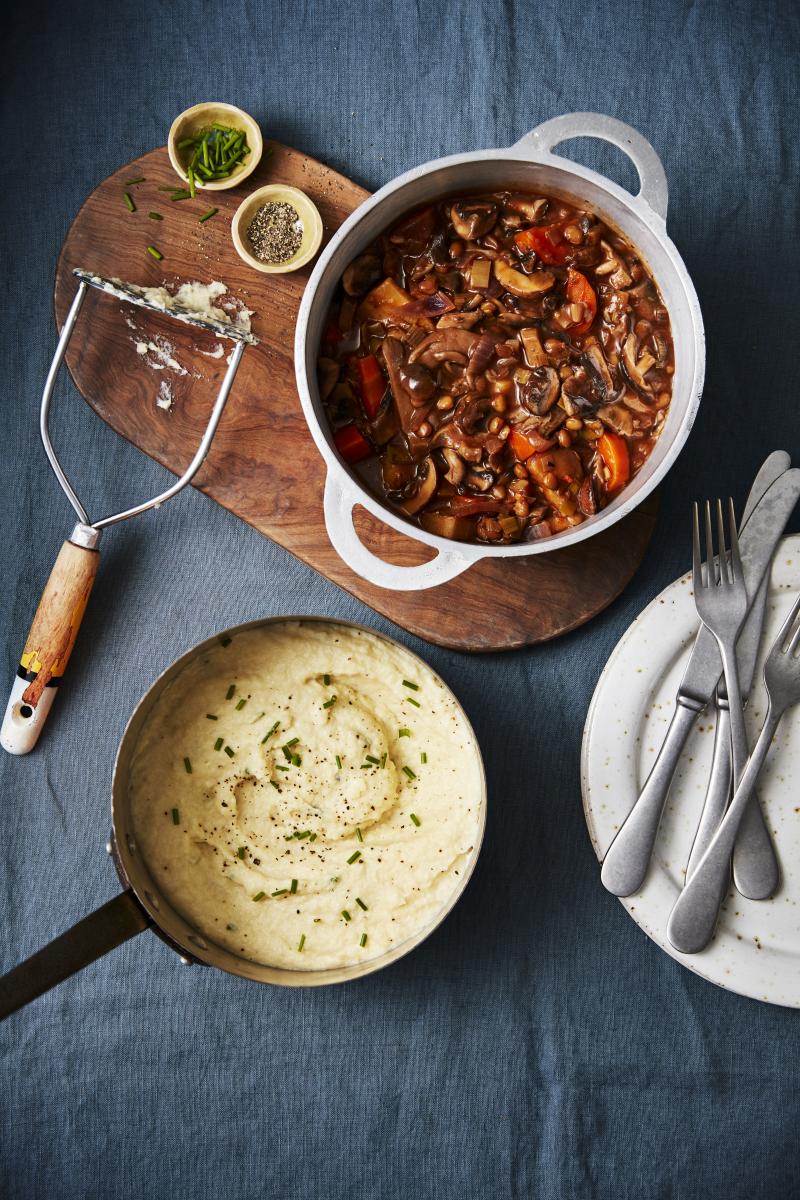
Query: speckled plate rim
{"x": 727, "y": 962}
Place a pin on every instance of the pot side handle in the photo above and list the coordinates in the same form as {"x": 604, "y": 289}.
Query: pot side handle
{"x": 109, "y": 926}
{"x": 339, "y": 507}
{"x": 653, "y": 180}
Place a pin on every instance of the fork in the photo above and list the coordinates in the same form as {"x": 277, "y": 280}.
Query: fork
{"x": 691, "y": 923}
{"x": 720, "y": 598}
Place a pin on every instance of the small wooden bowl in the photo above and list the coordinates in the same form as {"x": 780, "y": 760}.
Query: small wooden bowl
{"x": 200, "y": 116}
{"x": 278, "y": 193}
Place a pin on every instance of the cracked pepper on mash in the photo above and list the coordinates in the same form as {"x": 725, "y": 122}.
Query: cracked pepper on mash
{"x": 307, "y": 795}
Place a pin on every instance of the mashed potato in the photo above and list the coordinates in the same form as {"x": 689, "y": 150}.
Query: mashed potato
{"x": 307, "y": 794}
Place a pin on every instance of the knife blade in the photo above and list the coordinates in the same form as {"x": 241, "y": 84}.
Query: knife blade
{"x": 627, "y": 858}
{"x": 755, "y": 864}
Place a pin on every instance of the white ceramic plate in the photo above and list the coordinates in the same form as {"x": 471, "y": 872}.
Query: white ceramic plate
{"x": 756, "y": 951}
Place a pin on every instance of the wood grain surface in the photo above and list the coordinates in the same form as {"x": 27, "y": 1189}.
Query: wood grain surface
{"x": 263, "y": 465}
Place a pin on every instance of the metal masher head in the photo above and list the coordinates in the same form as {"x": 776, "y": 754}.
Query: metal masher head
{"x": 58, "y": 617}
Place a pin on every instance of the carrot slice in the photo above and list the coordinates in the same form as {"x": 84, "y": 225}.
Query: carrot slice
{"x": 580, "y": 291}
{"x": 613, "y": 449}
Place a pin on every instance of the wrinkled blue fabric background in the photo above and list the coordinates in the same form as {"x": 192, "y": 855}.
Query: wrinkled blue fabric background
{"x": 538, "y": 1045}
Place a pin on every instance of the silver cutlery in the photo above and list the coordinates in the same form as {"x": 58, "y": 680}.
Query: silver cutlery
{"x": 756, "y": 873}
{"x": 720, "y": 597}
{"x": 694, "y": 916}
{"x": 755, "y": 865}
{"x": 627, "y": 859}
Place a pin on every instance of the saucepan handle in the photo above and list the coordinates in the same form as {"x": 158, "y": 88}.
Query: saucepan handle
{"x": 122, "y": 918}
{"x": 339, "y": 505}
{"x": 653, "y": 181}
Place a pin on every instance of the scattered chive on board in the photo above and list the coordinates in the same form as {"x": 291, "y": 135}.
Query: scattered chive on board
{"x": 129, "y": 202}
{"x": 155, "y": 253}
{"x": 131, "y": 182}
{"x": 212, "y": 212}
{"x": 154, "y": 216}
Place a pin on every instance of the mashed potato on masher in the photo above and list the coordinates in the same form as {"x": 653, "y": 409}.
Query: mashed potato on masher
{"x": 307, "y": 794}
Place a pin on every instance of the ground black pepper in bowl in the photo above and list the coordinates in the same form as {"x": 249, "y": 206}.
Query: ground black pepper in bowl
{"x": 275, "y": 232}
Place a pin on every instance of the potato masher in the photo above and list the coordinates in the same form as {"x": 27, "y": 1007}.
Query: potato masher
{"x": 66, "y": 594}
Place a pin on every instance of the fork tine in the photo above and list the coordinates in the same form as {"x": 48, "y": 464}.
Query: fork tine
{"x": 697, "y": 561}
{"x": 711, "y": 574}
{"x": 725, "y": 576}
{"x": 786, "y": 627}
{"x": 736, "y": 558}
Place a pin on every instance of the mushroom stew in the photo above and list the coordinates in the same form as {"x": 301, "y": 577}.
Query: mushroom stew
{"x": 499, "y": 366}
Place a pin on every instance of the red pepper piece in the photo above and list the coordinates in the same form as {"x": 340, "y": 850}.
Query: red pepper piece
{"x": 351, "y": 444}
{"x": 371, "y": 384}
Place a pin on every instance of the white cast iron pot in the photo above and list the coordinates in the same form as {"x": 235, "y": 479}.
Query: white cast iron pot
{"x": 529, "y": 165}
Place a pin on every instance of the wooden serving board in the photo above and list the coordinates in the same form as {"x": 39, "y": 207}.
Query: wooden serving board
{"x": 263, "y": 465}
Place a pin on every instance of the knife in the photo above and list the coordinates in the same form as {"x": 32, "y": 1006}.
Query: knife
{"x": 755, "y": 866}
{"x": 627, "y": 858}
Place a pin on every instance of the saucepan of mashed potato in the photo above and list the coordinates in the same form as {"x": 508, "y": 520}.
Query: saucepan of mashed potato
{"x": 301, "y": 800}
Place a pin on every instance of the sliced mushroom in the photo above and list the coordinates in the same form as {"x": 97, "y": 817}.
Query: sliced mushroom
{"x": 444, "y": 345}
{"x": 418, "y": 382}
{"x": 522, "y": 285}
{"x": 472, "y": 220}
{"x": 459, "y": 320}
{"x": 328, "y": 371}
{"x": 597, "y": 367}
{"x": 636, "y": 370}
{"x": 613, "y": 266}
{"x": 455, "y": 467}
{"x": 617, "y": 417}
{"x": 539, "y": 392}
{"x": 531, "y": 209}
{"x": 587, "y": 501}
{"x": 426, "y": 490}
{"x": 360, "y": 275}
{"x": 633, "y": 401}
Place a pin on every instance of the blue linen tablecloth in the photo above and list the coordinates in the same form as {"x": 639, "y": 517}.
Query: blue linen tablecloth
{"x": 538, "y": 1045}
